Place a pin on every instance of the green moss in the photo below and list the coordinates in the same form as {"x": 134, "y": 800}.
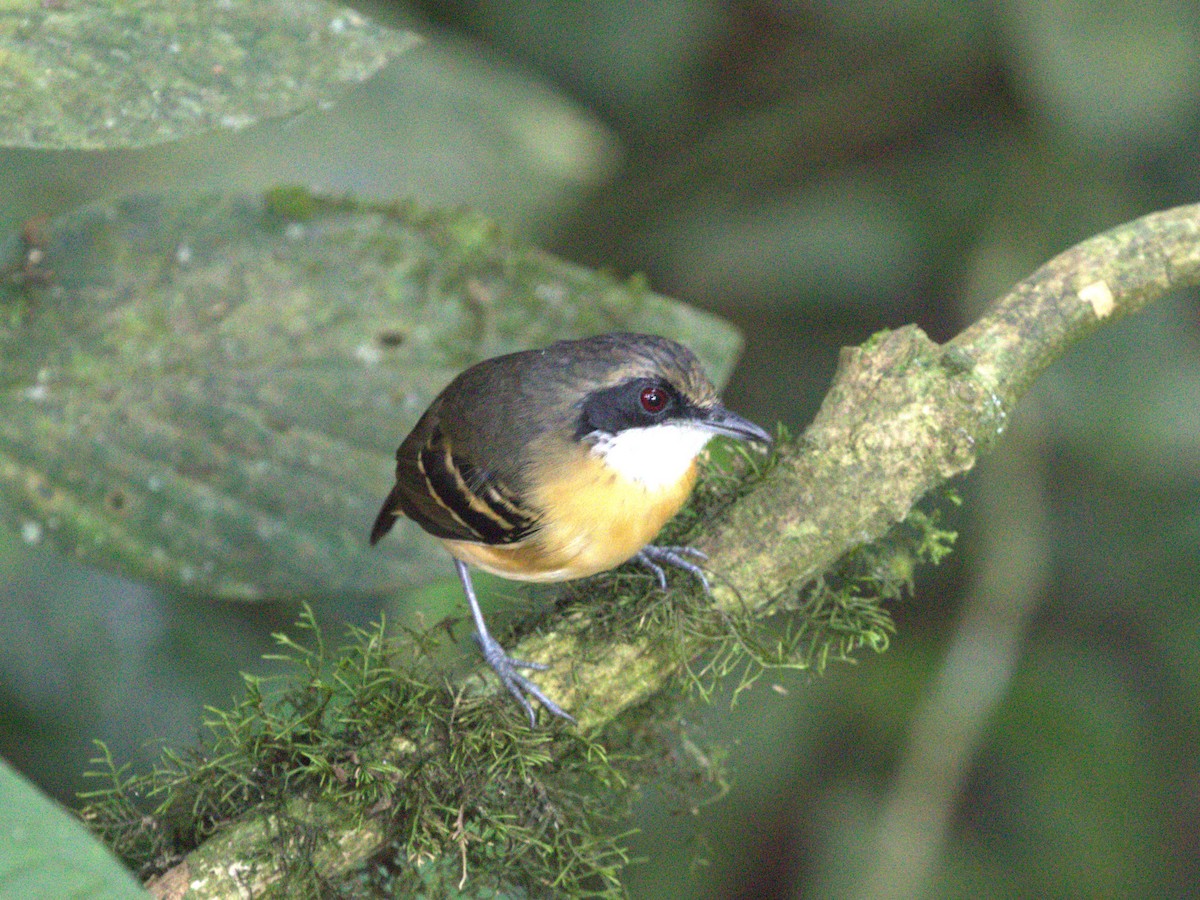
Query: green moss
{"x": 368, "y": 742}
{"x": 292, "y": 203}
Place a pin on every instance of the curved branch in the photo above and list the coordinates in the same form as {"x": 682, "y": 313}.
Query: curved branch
{"x": 1097, "y": 281}
{"x": 904, "y": 414}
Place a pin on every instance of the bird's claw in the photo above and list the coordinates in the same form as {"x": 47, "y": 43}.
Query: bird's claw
{"x": 654, "y": 558}
{"x": 517, "y": 684}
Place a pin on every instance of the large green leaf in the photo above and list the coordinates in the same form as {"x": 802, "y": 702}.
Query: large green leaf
{"x": 93, "y": 74}
{"x": 208, "y": 393}
{"x": 45, "y": 852}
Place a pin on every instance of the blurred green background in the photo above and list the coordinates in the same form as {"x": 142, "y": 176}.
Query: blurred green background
{"x": 813, "y": 172}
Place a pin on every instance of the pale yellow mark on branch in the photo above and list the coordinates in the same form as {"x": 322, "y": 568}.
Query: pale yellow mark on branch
{"x": 1100, "y": 296}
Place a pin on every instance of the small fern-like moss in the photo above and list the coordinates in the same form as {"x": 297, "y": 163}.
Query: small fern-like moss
{"x": 441, "y": 773}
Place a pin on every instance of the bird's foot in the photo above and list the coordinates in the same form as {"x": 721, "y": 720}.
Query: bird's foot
{"x": 654, "y": 558}
{"x": 514, "y": 682}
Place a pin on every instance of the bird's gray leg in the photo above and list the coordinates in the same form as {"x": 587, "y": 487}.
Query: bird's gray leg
{"x": 501, "y": 663}
{"x": 654, "y": 558}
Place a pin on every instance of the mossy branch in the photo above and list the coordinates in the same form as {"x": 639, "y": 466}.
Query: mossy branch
{"x": 903, "y": 416}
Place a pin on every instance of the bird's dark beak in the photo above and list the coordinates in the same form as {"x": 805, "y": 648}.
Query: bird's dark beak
{"x": 719, "y": 420}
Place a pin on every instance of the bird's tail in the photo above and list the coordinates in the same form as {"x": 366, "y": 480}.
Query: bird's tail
{"x": 387, "y": 515}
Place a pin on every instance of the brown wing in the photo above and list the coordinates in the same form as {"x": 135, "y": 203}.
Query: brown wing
{"x": 449, "y": 496}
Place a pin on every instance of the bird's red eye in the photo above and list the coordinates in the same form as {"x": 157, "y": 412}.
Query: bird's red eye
{"x": 654, "y": 399}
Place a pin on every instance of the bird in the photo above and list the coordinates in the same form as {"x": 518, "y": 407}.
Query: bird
{"x": 558, "y": 463}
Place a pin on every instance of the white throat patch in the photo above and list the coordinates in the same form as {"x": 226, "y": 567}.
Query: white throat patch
{"x": 656, "y": 456}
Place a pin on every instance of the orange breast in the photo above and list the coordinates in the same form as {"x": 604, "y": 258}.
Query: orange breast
{"x": 593, "y": 520}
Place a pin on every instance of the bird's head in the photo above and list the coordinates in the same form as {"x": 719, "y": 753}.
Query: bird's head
{"x": 647, "y": 408}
